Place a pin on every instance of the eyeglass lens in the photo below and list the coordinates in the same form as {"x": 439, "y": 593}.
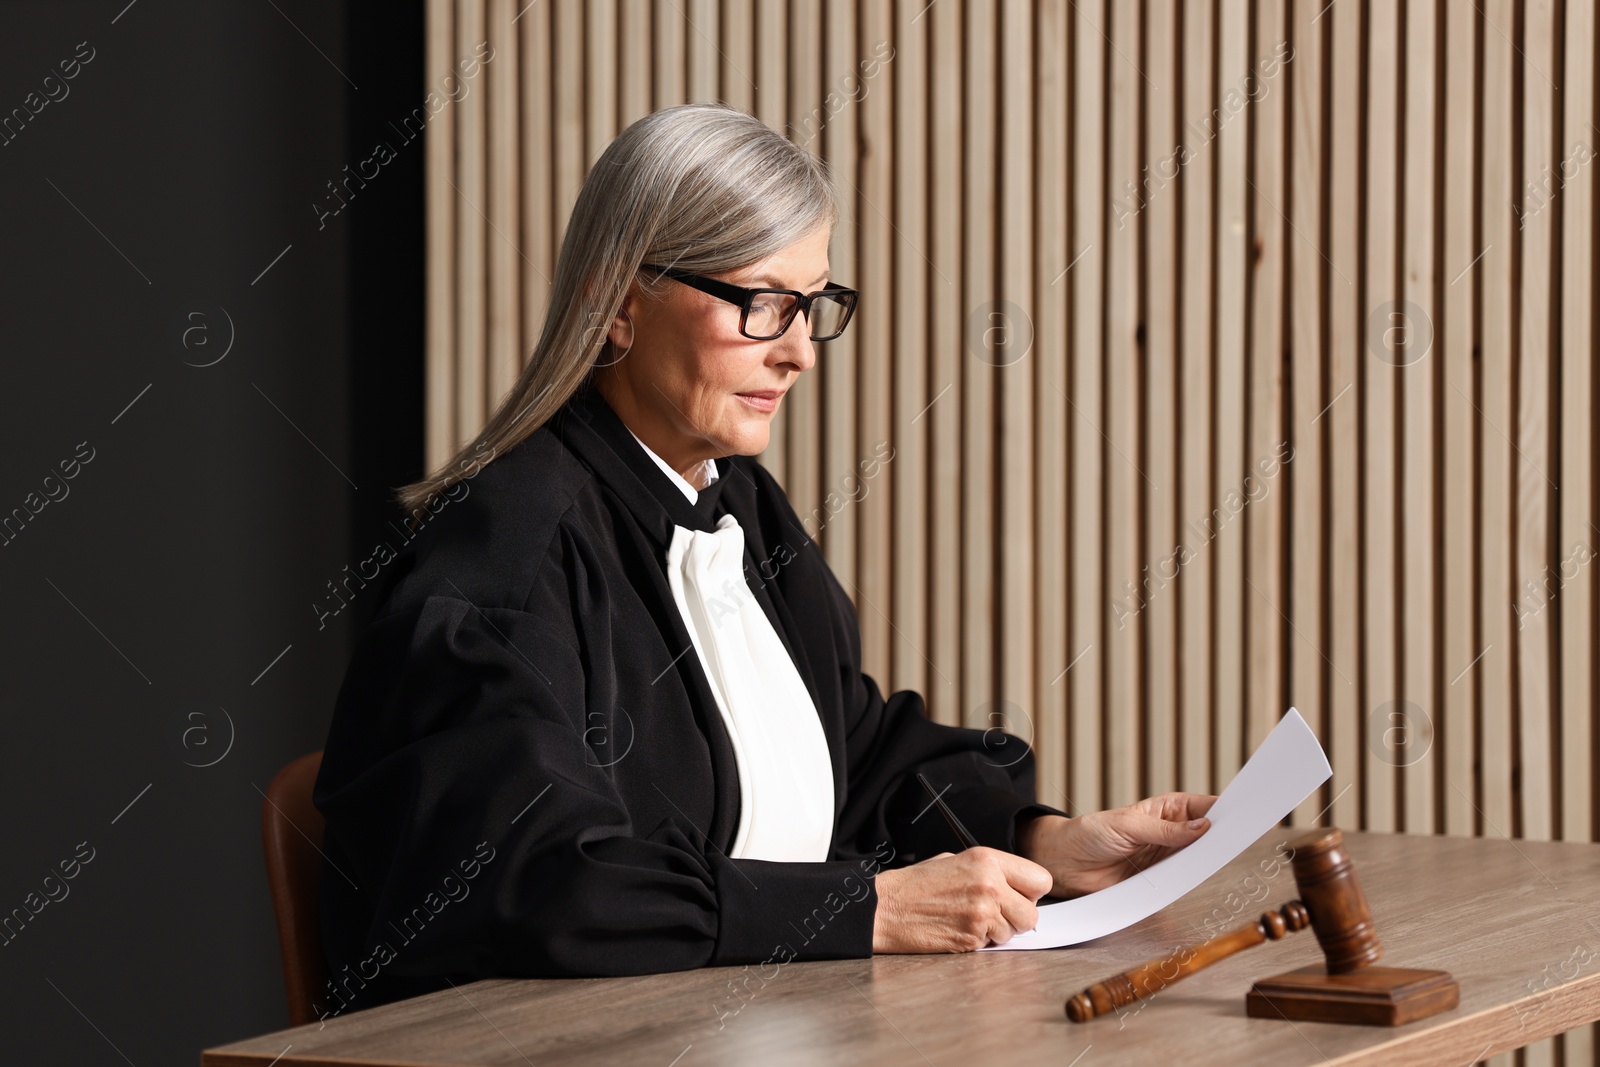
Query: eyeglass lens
{"x": 770, "y": 312}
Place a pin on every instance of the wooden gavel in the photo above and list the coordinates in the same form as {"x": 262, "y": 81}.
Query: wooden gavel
{"x": 1347, "y": 989}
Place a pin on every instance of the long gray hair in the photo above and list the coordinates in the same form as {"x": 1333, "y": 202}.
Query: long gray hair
{"x": 704, "y": 187}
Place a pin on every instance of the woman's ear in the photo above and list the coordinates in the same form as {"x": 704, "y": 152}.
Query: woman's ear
{"x": 620, "y": 330}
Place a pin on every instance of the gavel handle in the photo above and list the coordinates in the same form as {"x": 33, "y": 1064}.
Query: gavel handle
{"x": 1148, "y": 978}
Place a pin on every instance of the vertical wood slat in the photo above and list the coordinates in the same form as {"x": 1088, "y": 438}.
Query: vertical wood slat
{"x": 736, "y": 45}
{"x": 1417, "y": 401}
{"x": 802, "y": 408}
{"x": 669, "y": 71}
{"x": 567, "y": 110}
{"x": 1266, "y": 620}
{"x": 838, "y": 144}
{"x": 1496, "y": 592}
{"x": 1015, "y": 573}
{"x": 771, "y": 77}
{"x": 1159, "y": 570}
{"x": 1196, "y": 280}
{"x": 536, "y": 176}
{"x": 878, "y": 255}
{"x": 771, "y": 46}
{"x": 600, "y": 80}
{"x": 634, "y": 69}
{"x": 1266, "y": 597}
{"x": 1382, "y": 341}
{"x": 440, "y": 407}
{"x": 1303, "y": 471}
{"x": 505, "y": 342}
{"x": 1233, "y": 259}
{"x": 1023, "y": 497}
{"x": 947, "y": 357}
{"x": 1455, "y": 344}
{"x": 1125, "y": 480}
{"x": 1531, "y": 429}
{"x": 912, "y": 664}
{"x": 1090, "y": 589}
{"x": 978, "y": 595}
{"x": 471, "y": 266}
{"x": 704, "y": 63}
{"x": 1045, "y": 367}
{"x": 1347, "y": 349}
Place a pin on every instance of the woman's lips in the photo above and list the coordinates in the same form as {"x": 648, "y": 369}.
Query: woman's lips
{"x": 764, "y": 400}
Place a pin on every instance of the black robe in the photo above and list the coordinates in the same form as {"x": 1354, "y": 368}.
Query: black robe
{"x": 527, "y": 774}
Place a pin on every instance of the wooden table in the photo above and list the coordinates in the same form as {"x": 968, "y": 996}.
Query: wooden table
{"x": 1517, "y": 923}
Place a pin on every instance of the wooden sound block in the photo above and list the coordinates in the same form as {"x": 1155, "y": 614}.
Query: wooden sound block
{"x": 1371, "y": 996}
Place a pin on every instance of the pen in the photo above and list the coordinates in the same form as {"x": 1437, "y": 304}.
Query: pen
{"x": 961, "y": 832}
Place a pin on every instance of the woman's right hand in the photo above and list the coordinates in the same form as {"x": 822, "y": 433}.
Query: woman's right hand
{"x": 957, "y": 902}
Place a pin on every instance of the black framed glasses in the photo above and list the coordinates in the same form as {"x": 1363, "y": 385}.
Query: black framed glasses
{"x": 764, "y": 314}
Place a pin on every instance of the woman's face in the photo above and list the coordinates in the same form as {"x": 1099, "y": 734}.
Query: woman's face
{"x": 687, "y": 382}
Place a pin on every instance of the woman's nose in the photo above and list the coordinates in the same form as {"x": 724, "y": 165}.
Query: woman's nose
{"x": 796, "y": 344}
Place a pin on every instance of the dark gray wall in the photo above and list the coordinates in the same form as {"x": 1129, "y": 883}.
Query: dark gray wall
{"x": 143, "y": 608}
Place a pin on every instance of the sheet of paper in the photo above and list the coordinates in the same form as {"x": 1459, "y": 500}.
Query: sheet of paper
{"x": 1288, "y": 766}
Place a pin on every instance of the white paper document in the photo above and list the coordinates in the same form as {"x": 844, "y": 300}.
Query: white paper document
{"x": 1288, "y": 766}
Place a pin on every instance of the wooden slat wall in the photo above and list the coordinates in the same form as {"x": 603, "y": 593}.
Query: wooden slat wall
{"x": 1117, "y": 258}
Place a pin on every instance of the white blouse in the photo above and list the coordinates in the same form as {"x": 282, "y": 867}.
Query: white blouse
{"x": 785, "y": 772}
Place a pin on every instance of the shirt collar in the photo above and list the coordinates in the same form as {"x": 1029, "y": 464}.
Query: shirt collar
{"x": 708, "y": 470}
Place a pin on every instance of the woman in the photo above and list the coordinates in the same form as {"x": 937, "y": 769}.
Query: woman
{"x": 611, "y": 718}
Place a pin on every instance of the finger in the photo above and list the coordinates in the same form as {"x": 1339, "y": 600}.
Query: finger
{"x": 997, "y": 929}
{"x": 1178, "y": 806}
{"x": 1025, "y": 876}
{"x": 1181, "y": 806}
{"x": 1151, "y": 830}
{"x": 999, "y": 934}
{"x": 1020, "y": 914}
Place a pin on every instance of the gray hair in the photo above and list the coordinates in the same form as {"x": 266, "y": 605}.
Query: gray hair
{"x": 703, "y": 187}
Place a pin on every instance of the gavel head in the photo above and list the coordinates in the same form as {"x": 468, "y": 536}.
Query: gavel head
{"x": 1333, "y": 897}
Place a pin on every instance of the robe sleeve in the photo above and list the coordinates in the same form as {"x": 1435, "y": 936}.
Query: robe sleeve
{"x": 458, "y": 746}
{"x": 986, "y": 776}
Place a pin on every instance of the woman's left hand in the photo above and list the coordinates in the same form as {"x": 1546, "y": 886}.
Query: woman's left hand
{"x": 1097, "y": 850}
